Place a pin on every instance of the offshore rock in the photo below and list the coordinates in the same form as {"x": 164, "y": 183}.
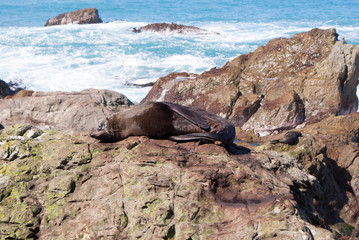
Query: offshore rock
{"x": 305, "y": 78}
{"x": 170, "y": 28}
{"x": 81, "y": 111}
{"x": 82, "y": 16}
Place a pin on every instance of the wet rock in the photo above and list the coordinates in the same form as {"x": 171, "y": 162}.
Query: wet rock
{"x": 252, "y": 89}
{"x": 82, "y": 16}
{"x": 80, "y": 111}
{"x": 170, "y": 28}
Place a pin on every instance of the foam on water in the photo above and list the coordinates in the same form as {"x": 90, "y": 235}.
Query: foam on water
{"x": 76, "y": 57}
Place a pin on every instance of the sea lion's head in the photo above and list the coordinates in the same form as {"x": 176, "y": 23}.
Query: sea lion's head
{"x": 104, "y": 132}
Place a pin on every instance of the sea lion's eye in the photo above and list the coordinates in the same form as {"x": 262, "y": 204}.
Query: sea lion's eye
{"x": 102, "y": 126}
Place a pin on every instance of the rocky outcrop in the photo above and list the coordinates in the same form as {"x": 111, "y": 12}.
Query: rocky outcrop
{"x": 5, "y": 89}
{"x": 81, "y": 111}
{"x": 170, "y": 28}
{"x": 67, "y": 187}
{"x": 287, "y": 82}
{"x": 82, "y": 16}
{"x": 62, "y": 184}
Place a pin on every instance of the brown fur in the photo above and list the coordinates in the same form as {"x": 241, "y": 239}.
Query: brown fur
{"x": 166, "y": 120}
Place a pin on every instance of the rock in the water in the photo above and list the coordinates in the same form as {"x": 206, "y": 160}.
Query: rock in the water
{"x": 81, "y": 111}
{"x": 82, "y": 16}
{"x": 170, "y": 28}
{"x": 304, "y": 78}
{"x": 149, "y": 84}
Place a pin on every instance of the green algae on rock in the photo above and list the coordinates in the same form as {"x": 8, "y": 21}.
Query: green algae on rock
{"x": 66, "y": 186}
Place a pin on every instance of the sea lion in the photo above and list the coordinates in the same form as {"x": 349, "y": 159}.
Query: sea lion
{"x": 290, "y": 138}
{"x": 164, "y": 120}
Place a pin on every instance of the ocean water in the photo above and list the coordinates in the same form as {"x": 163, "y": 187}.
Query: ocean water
{"x": 108, "y": 55}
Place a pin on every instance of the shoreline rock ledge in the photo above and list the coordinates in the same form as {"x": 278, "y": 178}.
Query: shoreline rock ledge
{"x": 82, "y": 16}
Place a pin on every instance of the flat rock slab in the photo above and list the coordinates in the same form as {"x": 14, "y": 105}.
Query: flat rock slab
{"x": 81, "y": 111}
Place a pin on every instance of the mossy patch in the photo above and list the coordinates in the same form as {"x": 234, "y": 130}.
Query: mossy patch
{"x": 343, "y": 229}
{"x": 36, "y": 163}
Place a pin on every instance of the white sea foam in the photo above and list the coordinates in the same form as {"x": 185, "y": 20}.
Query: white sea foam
{"x": 76, "y": 57}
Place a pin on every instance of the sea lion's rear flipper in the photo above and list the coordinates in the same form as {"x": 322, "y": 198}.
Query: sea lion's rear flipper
{"x": 212, "y": 137}
{"x": 190, "y": 115}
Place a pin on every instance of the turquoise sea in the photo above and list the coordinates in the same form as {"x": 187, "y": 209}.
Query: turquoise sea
{"x": 107, "y": 55}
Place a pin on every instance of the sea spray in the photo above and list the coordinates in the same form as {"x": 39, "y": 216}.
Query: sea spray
{"x": 108, "y": 55}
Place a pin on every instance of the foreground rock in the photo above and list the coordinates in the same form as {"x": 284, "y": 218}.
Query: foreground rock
{"x": 58, "y": 186}
{"x": 81, "y": 111}
{"x": 287, "y": 82}
{"x": 170, "y": 28}
{"x": 82, "y": 16}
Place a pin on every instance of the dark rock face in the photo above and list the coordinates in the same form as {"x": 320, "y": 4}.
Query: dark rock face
{"x": 278, "y": 86}
{"x": 82, "y": 16}
{"x": 329, "y": 151}
{"x": 174, "y": 28}
{"x": 5, "y": 89}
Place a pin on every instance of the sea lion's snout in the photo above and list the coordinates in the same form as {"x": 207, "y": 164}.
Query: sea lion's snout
{"x": 102, "y": 135}
{"x": 102, "y": 132}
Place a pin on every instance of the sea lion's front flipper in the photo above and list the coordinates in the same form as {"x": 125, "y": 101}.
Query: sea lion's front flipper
{"x": 197, "y": 136}
{"x": 191, "y": 116}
